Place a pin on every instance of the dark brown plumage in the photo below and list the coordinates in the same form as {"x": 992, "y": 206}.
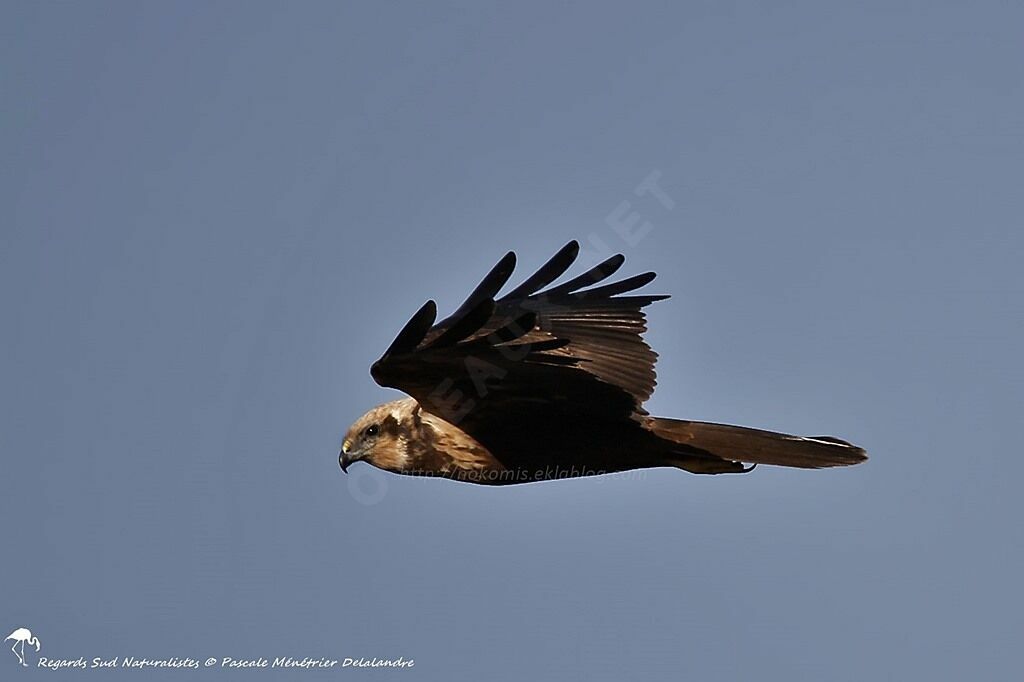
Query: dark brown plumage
{"x": 548, "y": 383}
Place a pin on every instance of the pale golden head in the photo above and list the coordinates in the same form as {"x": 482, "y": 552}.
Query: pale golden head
{"x": 379, "y": 437}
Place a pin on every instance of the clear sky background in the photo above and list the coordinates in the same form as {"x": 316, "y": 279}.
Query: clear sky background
{"x": 215, "y": 216}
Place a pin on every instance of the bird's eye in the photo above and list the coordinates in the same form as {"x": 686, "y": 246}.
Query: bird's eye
{"x": 372, "y": 430}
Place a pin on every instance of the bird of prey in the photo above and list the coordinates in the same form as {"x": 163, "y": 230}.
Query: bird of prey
{"x": 548, "y": 382}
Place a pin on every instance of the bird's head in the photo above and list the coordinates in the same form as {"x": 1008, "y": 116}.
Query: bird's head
{"x": 379, "y": 438}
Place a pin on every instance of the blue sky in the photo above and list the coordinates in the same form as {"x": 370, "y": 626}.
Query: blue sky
{"x": 215, "y": 216}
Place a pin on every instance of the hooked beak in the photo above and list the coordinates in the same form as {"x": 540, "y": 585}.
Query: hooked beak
{"x": 344, "y": 459}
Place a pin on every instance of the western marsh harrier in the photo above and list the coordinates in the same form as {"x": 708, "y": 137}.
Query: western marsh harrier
{"x": 546, "y": 383}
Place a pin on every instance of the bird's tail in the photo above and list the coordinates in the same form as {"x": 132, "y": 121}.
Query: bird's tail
{"x": 719, "y": 448}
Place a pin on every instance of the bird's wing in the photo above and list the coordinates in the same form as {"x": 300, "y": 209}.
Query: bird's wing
{"x": 572, "y": 349}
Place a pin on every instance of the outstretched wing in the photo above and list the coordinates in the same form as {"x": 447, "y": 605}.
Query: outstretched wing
{"x": 574, "y": 349}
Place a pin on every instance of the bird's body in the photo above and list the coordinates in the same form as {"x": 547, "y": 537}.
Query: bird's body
{"x": 539, "y": 386}
{"x": 414, "y": 441}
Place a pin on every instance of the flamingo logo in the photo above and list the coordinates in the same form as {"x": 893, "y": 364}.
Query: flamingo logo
{"x": 20, "y": 637}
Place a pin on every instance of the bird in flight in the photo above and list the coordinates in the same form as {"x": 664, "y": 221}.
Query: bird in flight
{"x": 548, "y": 382}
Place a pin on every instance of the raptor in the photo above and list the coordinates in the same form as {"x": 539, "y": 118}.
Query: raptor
{"x": 548, "y": 382}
